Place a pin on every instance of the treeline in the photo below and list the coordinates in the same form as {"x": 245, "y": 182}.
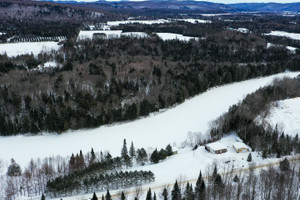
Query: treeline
{"x": 276, "y": 183}
{"x": 70, "y": 185}
{"x": 242, "y": 119}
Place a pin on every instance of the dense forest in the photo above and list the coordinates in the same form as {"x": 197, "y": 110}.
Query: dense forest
{"x": 241, "y": 119}
{"x": 105, "y": 81}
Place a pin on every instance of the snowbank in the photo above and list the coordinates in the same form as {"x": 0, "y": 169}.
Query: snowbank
{"x": 294, "y": 36}
{"x": 174, "y": 36}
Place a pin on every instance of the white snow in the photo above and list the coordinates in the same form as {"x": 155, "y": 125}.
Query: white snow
{"x": 16, "y": 49}
{"x": 217, "y": 145}
{"x": 89, "y": 34}
{"x": 286, "y": 114}
{"x": 239, "y": 145}
{"x": 157, "y": 130}
{"x": 175, "y": 36}
{"x": 294, "y": 36}
{"x": 49, "y": 64}
{"x": 135, "y": 34}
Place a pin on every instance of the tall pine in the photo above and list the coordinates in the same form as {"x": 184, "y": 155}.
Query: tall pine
{"x": 123, "y": 196}
{"x": 94, "y": 197}
{"x": 176, "y": 193}
{"x": 108, "y": 196}
{"x": 149, "y": 195}
{"x": 132, "y": 151}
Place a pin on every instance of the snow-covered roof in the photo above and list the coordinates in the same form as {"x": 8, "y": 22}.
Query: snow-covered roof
{"x": 217, "y": 145}
{"x": 239, "y": 145}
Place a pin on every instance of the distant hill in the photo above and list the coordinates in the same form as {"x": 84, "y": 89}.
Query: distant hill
{"x": 267, "y": 7}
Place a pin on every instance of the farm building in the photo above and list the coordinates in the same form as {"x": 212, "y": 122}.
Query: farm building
{"x": 240, "y": 147}
{"x": 216, "y": 147}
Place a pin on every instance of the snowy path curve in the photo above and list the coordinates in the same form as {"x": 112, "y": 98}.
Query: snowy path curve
{"x": 157, "y": 130}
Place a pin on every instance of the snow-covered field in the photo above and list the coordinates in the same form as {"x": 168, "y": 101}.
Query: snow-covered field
{"x": 294, "y": 36}
{"x": 174, "y": 36}
{"x": 16, "y": 49}
{"x": 286, "y": 114}
{"x": 194, "y": 21}
{"x": 89, "y": 34}
{"x": 158, "y": 130}
{"x": 49, "y": 64}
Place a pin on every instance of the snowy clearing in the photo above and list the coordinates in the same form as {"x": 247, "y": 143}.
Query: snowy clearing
{"x": 294, "y": 36}
{"x": 49, "y": 64}
{"x": 158, "y": 130}
{"x": 89, "y": 34}
{"x": 286, "y": 114}
{"x": 16, "y": 49}
{"x": 194, "y": 21}
{"x": 174, "y": 36}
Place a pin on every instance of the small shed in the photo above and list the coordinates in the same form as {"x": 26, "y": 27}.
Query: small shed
{"x": 216, "y": 147}
{"x": 240, "y": 147}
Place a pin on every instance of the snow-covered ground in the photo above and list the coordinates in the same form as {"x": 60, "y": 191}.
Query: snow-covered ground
{"x": 16, "y": 49}
{"x": 294, "y": 36}
{"x": 290, "y": 48}
{"x": 175, "y": 36}
{"x": 286, "y": 114}
{"x": 158, "y": 130}
{"x": 89, "y": 34}
{"x": 49, "y": 64}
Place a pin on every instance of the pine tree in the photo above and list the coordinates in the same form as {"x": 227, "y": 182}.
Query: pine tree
{"x": 176, "y": 193}
{"x": 94, "y": 197}
{"x": 142, "y": 156}
{"x": 132, "y": 151}
{"x": 154, "y": 196}
{"x": 108, "y": 196}
{"x": 93, "y": 156}
{"x": 149, "y": 195}
{"x": 236, "y": 179}
{"x": 215, "y": 173}
{"x": 14, "y": 169}
{"x": 103, "y": 197}
{"x": 169, "y": 150}
{"x": 155, "y": 156}
{"x": 249, "y": 159}
{"x": 165, "y": 194}
{"x": 43, "y": 197}
{"x": 200, "y": 188}
{"x": 123, "y": 196}
{"x": 124, "y": 151}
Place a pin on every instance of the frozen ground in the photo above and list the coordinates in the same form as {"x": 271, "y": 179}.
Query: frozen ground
{"x": 194, "y": 21}
{"x": 89, "y": 34}
{"x": 49, "y": 64}
{"x": 294, "y": 36}
{"x": 135, "y": 34}
{"x": 158, "y": 130}
{"x": 286, "y": 114}
{"x": 174, "y": 36}
{"x": 16, "y": 49}
{"x": 292, "y": 49}
{"x": 149, "y": 22}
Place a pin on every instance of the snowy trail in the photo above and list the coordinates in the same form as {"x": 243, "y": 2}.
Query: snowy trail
{"x": 157, "y": 130}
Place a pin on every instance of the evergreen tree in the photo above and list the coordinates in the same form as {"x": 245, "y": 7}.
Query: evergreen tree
{"x": 200, "y": 188}
{"x": 169, "y": 150}
{"x": 236, "y": 179}
{"x": 176, "y": 193}
{"x": 123, "y": 196}
{"x": 94, "y": 197}
{"x": 142, "y": 156}
{"x": 14, "y": 169}
{"x": 103, "y": 197}
{"x": 154, "y": 196}
{"x": 132, "y": 151}
{"x": 108, "y": 196}
{"x": 124, "y": 151}
{"x": 165, "y": 194}
{"x": 155, "y": 156}
{"x": 43, "y": 197}
{"x": 149, "y": 195}
{"x": 215, "y": 173}
{"x": 284, "y": 165}
{"x": 249, "y": 158}
{"x": 93, "y": 156}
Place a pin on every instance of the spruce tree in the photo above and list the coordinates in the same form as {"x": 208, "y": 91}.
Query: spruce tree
{"x": 165, "y": 194}
{"x": 108, "y": 196}
{"x": 176, "y": 193}
{"x": 43, "y": 197}
{"x": 249, "y": 159}
{"x": 93, "y": 156}
{"x": 94, "y": 197}
{"x": 124, "y": 151}
{"x": 155, "y": 156}
{"x": 123, "y": 196}
{"x": 154, "y": 196}
{"x": 103, "y": 197}
{"x": 132, "y": 151}
{"x": 200, "y": 188}
{"x": 149, "y": 195}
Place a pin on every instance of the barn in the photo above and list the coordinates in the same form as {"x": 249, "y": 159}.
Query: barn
{"x": 216, "y": 147}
